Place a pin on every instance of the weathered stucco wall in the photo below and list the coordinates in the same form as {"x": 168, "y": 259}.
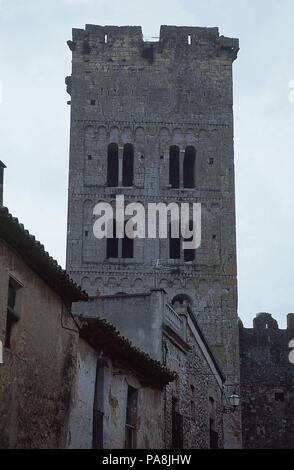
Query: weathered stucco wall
{"x": 112, "y": 387}
{"x": 180, "y": 352}
{"x": 80, "y": 430}
{"x": 37, "y": 375}
{"x": 149, "y": 422}
{"x": 144, "y": 330}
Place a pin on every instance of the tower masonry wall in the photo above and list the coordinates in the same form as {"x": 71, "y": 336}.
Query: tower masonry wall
{"x": 175, "y": 91}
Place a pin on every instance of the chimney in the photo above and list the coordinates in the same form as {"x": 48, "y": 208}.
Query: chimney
{"x": 2, "y": 167}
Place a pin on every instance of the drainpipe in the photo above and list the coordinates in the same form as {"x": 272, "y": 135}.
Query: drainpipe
{"x": 2, "y": 168}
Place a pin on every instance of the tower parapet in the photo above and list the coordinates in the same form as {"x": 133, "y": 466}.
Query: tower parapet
{"x": 189, "y": 40}
{"x": 267, "y": 383}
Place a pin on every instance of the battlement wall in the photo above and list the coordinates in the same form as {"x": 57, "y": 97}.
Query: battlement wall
{"x": 94, "y": 39}
{"x": 264, "y": 322}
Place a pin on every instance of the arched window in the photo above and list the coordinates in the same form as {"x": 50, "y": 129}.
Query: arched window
{"x": 174, "y": 166}
{"x": 112, "y": 244}
{"x": 181, "y": 299}
{"x": 127, "y": 248}
{"x": 189, "y": 255}
{"x": 112, "y": 166}
{"x": 189, "y": 167}
{"x": 174, "y": 244}
{"x": 119, "y": 247}
{"x": 128, "y": 166}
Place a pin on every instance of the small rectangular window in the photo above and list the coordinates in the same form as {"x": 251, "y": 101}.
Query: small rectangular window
{"x": 93, "y": 102}
{"x": 131, "y": 418}
{"x": 11, "y": 296}
{"x": 177, "y": 426}
{"x": 280, "y": 397}
{"x": 12, "y": 317}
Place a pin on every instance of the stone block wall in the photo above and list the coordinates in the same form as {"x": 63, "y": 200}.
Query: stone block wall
{"x": 37, "y": 375}
{"x": 267, "y": 384}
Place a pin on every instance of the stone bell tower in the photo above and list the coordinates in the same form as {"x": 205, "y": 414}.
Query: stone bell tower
{"x": 154, "y": 121}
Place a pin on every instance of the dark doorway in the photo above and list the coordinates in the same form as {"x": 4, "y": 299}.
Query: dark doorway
{"x": 177, "y": 426}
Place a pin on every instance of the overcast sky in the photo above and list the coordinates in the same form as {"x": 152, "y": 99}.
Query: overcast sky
{"x": 34, "y": 123}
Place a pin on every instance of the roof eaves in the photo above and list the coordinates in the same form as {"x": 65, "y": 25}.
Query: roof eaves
{"x": 120, "y": 348}
{"x": 35, "y": 255}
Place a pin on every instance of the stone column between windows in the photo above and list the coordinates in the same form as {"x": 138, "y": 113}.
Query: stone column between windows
{"x": 182, "y": 251}
{"x": 120, "y": 166}
{"x": 181, "y": 163}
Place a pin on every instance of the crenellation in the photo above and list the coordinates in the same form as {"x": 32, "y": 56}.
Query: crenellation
{"x": 265, "y": 322}
{"x": 178, "y": 33}
{"x": 126, "y": 43}
{"x": 267, "y": 384}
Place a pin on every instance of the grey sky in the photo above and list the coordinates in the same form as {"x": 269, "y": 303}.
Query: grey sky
{"x": 34, "y": 123}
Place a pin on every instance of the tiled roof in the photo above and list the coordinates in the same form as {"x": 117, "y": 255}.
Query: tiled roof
{"x": 13, "y": 233}
{"x": 103, "y": 336}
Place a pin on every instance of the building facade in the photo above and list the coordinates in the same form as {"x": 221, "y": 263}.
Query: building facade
{"x": 65, "y": 383}
{"x": 267, "y": 384}
{"x": 192, "y": 408}
{"x": 118, "y": 393}
{"x": 153, "y": 121}
{"x": 39, "y": 339}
